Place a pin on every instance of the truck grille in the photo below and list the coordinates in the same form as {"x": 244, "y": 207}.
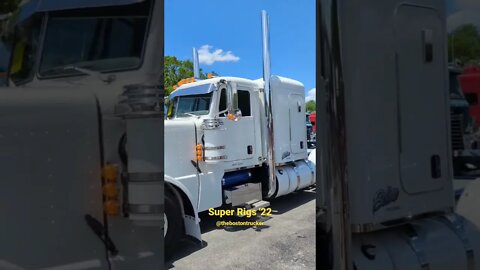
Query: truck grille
{"x": 456, "y": 127}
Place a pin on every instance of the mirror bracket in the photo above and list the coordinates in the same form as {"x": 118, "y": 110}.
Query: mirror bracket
{"x": 233, "y": 112}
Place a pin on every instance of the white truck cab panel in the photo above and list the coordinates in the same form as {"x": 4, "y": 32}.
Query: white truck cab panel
{"x": 243, "y": 137}
{"x": 289, "y": 127}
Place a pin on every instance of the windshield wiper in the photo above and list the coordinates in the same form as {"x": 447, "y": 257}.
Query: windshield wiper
{"x": 190, "y": 114}
{"x": 104, "y": 78}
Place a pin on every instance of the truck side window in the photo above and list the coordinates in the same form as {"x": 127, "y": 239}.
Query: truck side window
{"x": 222, "y": 106}
{"x": 244, "y": 102}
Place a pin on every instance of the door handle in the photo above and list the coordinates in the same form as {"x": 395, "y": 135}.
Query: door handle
{"x": 435, "y": 166}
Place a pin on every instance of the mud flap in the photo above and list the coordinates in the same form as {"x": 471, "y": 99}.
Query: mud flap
{"x": 192, "y": 227}
{"x": 139, "y": 247}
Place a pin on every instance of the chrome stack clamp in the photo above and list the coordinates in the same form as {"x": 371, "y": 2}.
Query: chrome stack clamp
{"x": 140, "y": 101}
{"x": 142, "y": 108}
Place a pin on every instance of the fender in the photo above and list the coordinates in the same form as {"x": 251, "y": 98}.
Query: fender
{"x": 312, "y": 157}
{"x": 467, "y": 205}
{"x": 192, "y": 224}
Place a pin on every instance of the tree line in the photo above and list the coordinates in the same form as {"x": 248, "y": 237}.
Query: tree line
{"x": 7, "y": 6}
{"x": 175, "y": 70}
{"x": 464, "y": 45}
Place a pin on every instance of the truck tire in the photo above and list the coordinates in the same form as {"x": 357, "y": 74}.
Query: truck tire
{"x": 173, "y": 225}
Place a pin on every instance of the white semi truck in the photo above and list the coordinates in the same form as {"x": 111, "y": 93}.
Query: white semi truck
{"x": 233, "y": 142}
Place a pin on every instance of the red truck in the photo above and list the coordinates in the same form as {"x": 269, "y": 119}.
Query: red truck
{"x": 313, "y": 120}
{"x": 470, "y": 84}
{"x": 311, "y": 130}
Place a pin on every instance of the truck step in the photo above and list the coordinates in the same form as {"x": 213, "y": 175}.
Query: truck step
{"x": 255, "y": 205}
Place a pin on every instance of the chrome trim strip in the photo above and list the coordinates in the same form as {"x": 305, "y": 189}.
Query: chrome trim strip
{"x": 216, "y": 158}
{"x": 365, "y": 228}
{"x": 146, "y": 208}
{"x": 209, "y": 124}
{"x": 220, "y": 147}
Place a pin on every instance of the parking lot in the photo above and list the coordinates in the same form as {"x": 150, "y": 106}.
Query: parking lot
{"x": 285, "y": 241}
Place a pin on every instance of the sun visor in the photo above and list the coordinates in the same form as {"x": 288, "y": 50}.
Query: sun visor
{"x": 194, "y": 90}
{"x": 34, "y": 6}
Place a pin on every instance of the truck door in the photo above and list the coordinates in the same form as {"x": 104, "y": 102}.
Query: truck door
{"x": 422, "y": 98}
{"x": 240, "y": 147}
{"x": 297, "y": 122}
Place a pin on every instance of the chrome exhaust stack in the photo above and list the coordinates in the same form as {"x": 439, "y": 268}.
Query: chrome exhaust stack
{"x": 196, "y": 64}
{"x": 333, "y": 213}
{"x": 141, "y": 107}
{"x": 268, "y": 103}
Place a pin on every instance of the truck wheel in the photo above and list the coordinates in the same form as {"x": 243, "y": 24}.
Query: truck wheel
{"x": 173, "y": 225}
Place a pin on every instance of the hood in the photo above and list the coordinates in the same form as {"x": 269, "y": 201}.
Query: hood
{"x": 180, "y": 141}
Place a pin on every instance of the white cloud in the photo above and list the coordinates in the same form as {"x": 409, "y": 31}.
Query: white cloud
{"x": 310, "y": 94}
{"x": 468, "y": 13}
{"x": 207, "y": 57}
{"x": 463, "y": 17}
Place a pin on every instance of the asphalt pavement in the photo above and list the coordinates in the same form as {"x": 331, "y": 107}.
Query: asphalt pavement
{"x": 285, "y": 241}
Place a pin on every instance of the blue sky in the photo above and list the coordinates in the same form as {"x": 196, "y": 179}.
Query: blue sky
{"x": 234, "y": 26}
{"x": 451, "y": 6}
{"x": 462, "y": 12}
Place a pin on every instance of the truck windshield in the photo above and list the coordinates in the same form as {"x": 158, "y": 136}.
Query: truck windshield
{"x": 194, "y": 105}
{"x": 96, "y": 43}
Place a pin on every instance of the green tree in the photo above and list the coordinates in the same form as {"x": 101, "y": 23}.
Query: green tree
{"x": 9, "y": 9}
{"x": 464, "y": 44}
{"x": 310, "y": 106}
{"x": 176, "y": 70}
{"x": 7, "y": 6}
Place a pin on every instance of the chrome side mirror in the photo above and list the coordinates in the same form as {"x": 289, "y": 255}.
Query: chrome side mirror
{"x": 237, "y": 114}
{"x": 233, "y": 112}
